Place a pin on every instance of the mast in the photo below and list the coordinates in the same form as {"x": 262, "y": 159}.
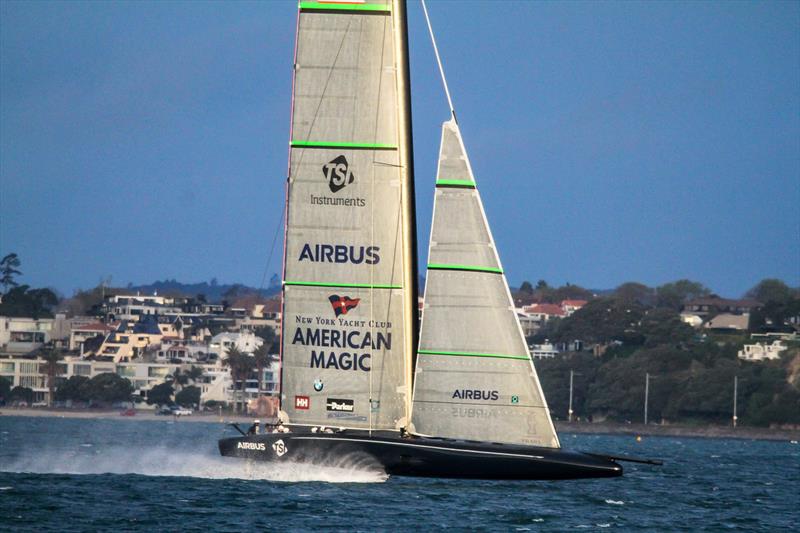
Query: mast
{"x": 411, "y": 312}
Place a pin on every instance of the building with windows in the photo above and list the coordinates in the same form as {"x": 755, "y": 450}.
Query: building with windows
{"x": 22, "y": 335}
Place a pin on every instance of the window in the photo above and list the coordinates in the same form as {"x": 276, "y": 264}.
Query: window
{"x": 6, "y": 368}
{"x": 82, "y": 370}
{"x": 29, "y": 368}
{"x": 158, "y": 372}
{"x": 126, "y": 371}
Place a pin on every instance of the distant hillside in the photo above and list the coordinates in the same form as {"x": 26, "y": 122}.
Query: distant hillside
{"x": 213, "y": 291}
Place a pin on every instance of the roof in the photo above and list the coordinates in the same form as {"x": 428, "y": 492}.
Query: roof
{"x": 574, "y": 303}
{"x": 272, "y": 306}
{"x": 729, "y": 321}
{"x": 94, "y": 326}
{"x": 724, "y": 302}
{"x": 545, "y": 309}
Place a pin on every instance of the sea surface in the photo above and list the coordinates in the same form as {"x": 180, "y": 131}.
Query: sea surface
{"x": 131, "y": 475}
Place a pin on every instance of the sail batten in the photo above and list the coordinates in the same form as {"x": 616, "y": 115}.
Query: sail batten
{"x": 474, "y": 378}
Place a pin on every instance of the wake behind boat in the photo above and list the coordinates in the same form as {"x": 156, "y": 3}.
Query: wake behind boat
{"x": 454, "y": 394}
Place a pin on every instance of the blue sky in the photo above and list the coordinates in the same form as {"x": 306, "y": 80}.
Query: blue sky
{"x": 611, "y": 141}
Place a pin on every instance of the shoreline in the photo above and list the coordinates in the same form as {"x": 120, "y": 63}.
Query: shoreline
{"x": 599, "y": 428}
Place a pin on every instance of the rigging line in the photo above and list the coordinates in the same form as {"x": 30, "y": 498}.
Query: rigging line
{"x": 271, "y": 251}
{"x": 438, "y": 61}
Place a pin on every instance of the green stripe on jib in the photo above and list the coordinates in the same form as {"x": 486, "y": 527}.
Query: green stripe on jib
{"x": 474, "y": 354}
{"x": 436, "y": 266}
{"x": 458, "y": 183}
{"x": 343, "y": 285}
{"x": 326, "y": 144}
{"x": 344, "y": 6}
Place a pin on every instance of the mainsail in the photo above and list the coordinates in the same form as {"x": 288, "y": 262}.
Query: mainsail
{"x": 345, "y": 343}
{"x": 474, "y": 377}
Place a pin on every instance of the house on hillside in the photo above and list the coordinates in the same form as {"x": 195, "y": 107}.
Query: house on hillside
{"x": 22, "y": 335}
{"x": 712, "y": 305}
{"x": 729, "y": 322}
{"x": 761, "y": 351}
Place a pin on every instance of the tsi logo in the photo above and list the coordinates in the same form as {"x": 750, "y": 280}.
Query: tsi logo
{"x": 342, "y": 406}
{"x": 302, "y": 402}
{"x": 338, "y": 174}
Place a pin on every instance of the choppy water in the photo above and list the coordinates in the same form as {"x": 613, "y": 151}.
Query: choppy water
{"x": 78, "y": 475}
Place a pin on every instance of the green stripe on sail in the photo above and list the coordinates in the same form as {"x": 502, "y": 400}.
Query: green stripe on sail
{"x": 344, "y": 6}
{"x": 456, "y": 183}
{"x": 326, "y": 144}
{"x": 475, "y": 354}
{"x": 436, "y": 266}
{"x": 343, "y": 285}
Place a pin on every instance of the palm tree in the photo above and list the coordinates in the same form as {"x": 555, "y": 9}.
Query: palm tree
{"x": 241, "y": 365}
{"x": 52, "y": 357}
{"x": 262, "y": 358}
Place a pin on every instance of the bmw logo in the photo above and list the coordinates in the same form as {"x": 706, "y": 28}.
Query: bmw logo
{"x": 318, "y": 385}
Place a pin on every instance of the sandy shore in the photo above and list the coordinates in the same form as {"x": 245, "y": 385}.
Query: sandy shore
{"x": 561, "y": 427}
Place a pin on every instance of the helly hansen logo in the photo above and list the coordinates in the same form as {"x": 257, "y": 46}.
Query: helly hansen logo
{"x": 342, "y": 304}
{"x": 302, "y": 402}
{"x": 338, "y": 174}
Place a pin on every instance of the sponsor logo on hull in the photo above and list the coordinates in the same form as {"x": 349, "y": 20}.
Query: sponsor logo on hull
{"x": 255, "y": 446}
{"x": 280, "y": 448}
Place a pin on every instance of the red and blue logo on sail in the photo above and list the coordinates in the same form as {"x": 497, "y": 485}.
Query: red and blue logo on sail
{"x": 342, "y": 304}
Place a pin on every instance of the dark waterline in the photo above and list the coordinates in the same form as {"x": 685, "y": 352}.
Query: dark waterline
{"x": 80, "y": 475}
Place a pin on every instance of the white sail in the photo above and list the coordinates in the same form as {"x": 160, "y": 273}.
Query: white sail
{"x": 343, "y": 332}
{"x": 474, "y": 377}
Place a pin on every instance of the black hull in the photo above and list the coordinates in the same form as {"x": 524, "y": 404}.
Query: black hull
{"x": 421, "y": 457}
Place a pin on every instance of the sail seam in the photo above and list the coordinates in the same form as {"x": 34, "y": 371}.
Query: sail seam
{"x": 469, "y": 268}
{"x": 343, "y": 285}
{"x": 344, "y": 6}
{"x": 353, "y": 145}
{"x": 474, "y": 354}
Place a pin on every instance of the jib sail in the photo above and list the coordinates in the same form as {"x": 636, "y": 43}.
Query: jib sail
{"x": 474, "y": 377}
{"x": 344, "y": 348}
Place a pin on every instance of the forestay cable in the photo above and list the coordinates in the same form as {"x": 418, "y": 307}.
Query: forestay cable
{"x": 438, "y": 61}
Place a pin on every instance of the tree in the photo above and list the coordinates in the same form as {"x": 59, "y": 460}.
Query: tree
{"x": 267, "y": 334}
{"x": 526, "y": 287}
{"x": 188, "y": 396}
{"x": 674, "y": 295}
{"x": 262, "y": 358}
{"x": 772, "y": 290}
{"x": 241, "y": 366}
{"x": 161, "y": 394}
{"x": 602, "y": 320}
{"x": 21, "y": 394}
{"x": 22, "y": 301}
{"x": 52, "y": 359}
{"x": 634, "y": 292}
{"x": 74, "y": 389}
{"x": 8, "y": 269}
{"x": 5, "y": 389}
{"x": 664, "y": 326}
{"x": 109, "y": 388}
